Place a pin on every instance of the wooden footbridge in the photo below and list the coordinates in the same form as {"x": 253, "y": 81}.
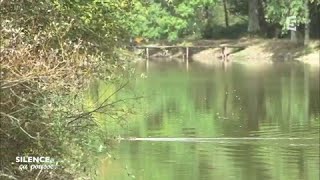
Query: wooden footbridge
{"x": 222, "y": 47}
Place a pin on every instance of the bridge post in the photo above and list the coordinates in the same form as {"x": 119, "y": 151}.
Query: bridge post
{"x": 187, "y": 54}
{"x": 187, "y": 65}
{"x": 147, "y": 53}
{"x": 147, "y": 65}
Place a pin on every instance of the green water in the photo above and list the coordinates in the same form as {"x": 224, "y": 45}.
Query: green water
{"x": 264, "y": 122}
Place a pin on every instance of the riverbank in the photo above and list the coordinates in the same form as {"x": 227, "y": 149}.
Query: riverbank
{"x": 278, "y": 50}
{"x": 268, "y": 51}
{"x": 257, "y": 50}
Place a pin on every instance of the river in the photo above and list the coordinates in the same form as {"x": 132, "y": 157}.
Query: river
{"x": 224, "y": 122}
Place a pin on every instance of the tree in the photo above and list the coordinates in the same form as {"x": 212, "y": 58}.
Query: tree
{"x": 280, "y": 11}
{"x": 307, "y": 23}
{"x": 253, "y": 17}
{"x": 226, "y": 17}
{"x": 168, "y": 19}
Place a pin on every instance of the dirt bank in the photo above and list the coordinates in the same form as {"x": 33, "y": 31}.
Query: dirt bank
{"x": 255, "y": 51}
{"x": 261, "y": 51}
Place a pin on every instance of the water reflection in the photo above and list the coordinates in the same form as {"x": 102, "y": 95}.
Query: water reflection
{"x": 278, "y": 102}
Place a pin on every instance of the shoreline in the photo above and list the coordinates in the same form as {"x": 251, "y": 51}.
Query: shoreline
{"x": 256, "y": 51}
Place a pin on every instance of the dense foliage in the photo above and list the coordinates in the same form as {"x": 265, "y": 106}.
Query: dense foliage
{"x": 279, "y": 11}
{"x": 173, "y": 19}
{"x": 52, "y": 49}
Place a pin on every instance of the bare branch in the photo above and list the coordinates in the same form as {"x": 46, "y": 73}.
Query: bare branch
{"x": 7, "y": 176}
{"x": 103, "y": 105}
{"x": 18, "y": 122}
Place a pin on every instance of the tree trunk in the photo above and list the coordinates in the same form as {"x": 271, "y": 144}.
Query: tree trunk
{"x": 306, "y": 34}
{"x": 307, "y": 24}
{"x": 294, "y": 36}
{"x": 207, "y": 19}
{"x": 264, "y": 25}
{"x": 226, "y": 17}
{"x": 253, "y": 24}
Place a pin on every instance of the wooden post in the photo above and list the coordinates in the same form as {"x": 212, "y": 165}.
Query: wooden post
{"x": 223, "y": 53}
{"x": 187, "y": 65}
{"x": 183, "y": 55}
{"x": 147, "y": 59}
{"x": 147, "y": 65}
{"x": 187, "y": 54}
{"x": 147, "y": 53}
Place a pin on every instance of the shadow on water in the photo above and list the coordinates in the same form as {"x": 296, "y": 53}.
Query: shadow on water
{"x": 222, "y": 122}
